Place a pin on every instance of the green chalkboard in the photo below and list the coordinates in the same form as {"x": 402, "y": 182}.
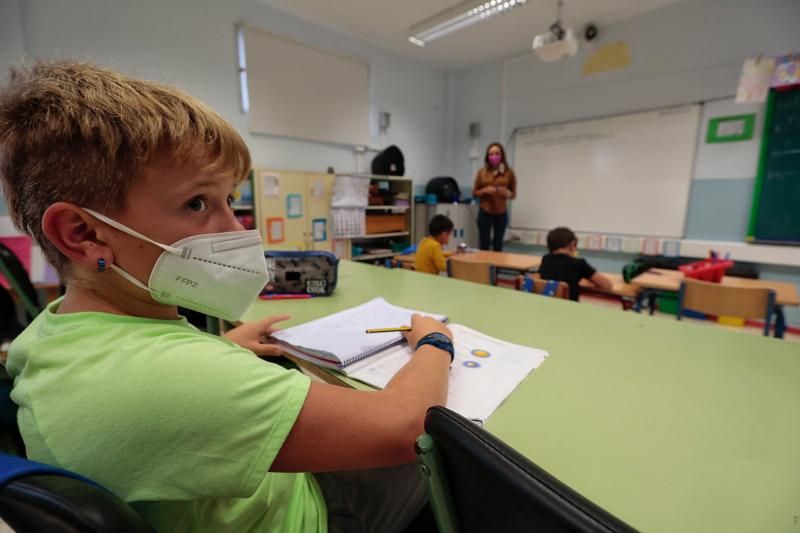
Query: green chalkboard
{"x": 775, "y": 216}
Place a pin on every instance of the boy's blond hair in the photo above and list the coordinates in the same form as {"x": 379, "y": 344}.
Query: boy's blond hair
{"x": 79, "y": 133}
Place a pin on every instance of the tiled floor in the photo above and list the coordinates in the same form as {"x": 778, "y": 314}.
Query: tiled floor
{"x": 614, "y": 304}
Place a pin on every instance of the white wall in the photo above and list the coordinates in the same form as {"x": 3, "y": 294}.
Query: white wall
{"x": 477, "y": 96}
{"x": 190, "y": 43}
{"x": 686, "y": 52}
{"x": 11, "y": 39}
{"x": 12, "y": 46}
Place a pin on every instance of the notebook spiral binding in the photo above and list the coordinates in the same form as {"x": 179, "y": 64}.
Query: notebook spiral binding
{"x": 376, "y": 349}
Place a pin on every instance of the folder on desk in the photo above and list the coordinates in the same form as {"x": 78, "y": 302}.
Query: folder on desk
{"x": 484, "y": 372}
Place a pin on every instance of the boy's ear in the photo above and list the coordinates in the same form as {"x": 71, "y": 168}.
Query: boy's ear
{"x": 77, "y": 234}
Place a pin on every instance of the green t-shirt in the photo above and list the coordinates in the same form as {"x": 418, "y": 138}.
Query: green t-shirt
{"x": 181, "y": 424}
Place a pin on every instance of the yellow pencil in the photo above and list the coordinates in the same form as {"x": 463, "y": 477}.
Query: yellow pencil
{"x": 389, "y": 330}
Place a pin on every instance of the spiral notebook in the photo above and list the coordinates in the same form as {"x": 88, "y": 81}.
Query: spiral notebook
{"x": 340, "y": 340}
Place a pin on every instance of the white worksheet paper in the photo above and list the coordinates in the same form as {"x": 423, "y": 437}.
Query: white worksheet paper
{"x": 484, "y": 372}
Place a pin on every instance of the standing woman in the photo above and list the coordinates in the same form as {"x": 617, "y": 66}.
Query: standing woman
{"x": 495, "y": 184}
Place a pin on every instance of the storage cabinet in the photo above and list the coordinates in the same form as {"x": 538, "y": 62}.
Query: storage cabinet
{"x": 292, "y": 209}
{"x": 387, "y": 229}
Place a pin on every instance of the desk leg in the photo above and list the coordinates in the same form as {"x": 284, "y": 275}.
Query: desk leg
{"x": 651, "y": 301}
{"x": 637, "y": 303}
{"x": 780, "y": 322}
{"x": 646, "y": 294}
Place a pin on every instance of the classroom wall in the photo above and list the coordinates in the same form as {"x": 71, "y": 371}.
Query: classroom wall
{"x": 687, "y": 52}
{"x": 13, "y": 45}
{"x": 190, "y": 43}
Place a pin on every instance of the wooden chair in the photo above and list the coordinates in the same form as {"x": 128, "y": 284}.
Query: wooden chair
{"x": 542, "y": 287}
{"x": 485, "y": 273}
{"x": 722, "y": 300}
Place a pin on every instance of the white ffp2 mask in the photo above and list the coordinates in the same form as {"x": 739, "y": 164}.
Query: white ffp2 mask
{"x": 219, "y": 274}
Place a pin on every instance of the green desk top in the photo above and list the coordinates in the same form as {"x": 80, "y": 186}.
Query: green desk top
{"x": 670, "y": 426}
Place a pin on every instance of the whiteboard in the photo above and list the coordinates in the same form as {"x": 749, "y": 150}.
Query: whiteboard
{"x": 304, "y": 92}
{"x": 626, "y": 174}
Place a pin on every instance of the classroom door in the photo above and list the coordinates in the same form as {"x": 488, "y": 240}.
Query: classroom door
{"x": 319, "y": 188}
{"x": 280, "y": 208}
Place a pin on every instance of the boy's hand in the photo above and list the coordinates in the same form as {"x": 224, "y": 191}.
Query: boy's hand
{"x": 254, "y": 336}
{"x": 421, "y": 326}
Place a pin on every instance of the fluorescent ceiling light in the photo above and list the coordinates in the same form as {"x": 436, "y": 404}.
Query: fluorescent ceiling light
{"x": 461, "y": 16}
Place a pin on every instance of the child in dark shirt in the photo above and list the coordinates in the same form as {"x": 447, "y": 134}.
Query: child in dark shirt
{"x": 562, "y": 265}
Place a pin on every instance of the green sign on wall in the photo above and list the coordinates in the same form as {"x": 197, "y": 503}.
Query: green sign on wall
{"x": 731, "y": 129}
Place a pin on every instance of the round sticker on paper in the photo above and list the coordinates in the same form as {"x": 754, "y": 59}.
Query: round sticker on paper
{"x": 472, "y": 364}
{"x": 480, "y": 353}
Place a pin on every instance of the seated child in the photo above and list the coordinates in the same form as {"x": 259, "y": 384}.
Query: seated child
{"x": 430, "y": 258}
{"x": 562, "y": 265}
{"x": 126, "y": 185}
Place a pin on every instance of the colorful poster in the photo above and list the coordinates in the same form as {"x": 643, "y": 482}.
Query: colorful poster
{"x": 594, "y": 242}
{"x": 614, "y": 243}
{"x": 787, "y": 71}
{"x": 671, "y": 248}
{"x": 319, "y": 229}
{"x": 632, "y": 245}
{"x": 270, "y": 185}
{"x": 275, "y": 230}
{"x": 650, "y": 246}
{"x": 754, "y": 81}
{"x": 609, "y": 57}
{"x": 294, "y": 206}
{"x": 731, "y": 129}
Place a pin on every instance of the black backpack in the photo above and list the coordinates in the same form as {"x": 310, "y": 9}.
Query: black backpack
{"x": 445, "y": 188}
{"x": 389, "y": 162}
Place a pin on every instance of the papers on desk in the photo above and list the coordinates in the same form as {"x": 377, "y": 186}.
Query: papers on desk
{"x": 485, "y": 370}
{"x": 484, "y": 373}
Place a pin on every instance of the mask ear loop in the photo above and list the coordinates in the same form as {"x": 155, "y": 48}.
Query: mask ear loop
{"x": 133, "y": 233}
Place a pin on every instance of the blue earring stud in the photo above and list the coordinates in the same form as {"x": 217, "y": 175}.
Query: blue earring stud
{"x": 101, "y": 265}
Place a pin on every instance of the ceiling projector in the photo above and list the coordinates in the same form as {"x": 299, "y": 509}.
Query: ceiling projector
{"x": 555, "y": 44}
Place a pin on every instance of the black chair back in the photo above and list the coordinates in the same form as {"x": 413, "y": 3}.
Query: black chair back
{"x": 13, "y": 269}
{"x": 494, "y": 488}
{"x": 39, "y": 499}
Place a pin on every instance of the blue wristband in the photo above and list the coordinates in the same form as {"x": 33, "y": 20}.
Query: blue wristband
{"x": 438, "y": 340}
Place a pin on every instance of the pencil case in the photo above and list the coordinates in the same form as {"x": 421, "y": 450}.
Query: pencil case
{"x": 313, "y": 273}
